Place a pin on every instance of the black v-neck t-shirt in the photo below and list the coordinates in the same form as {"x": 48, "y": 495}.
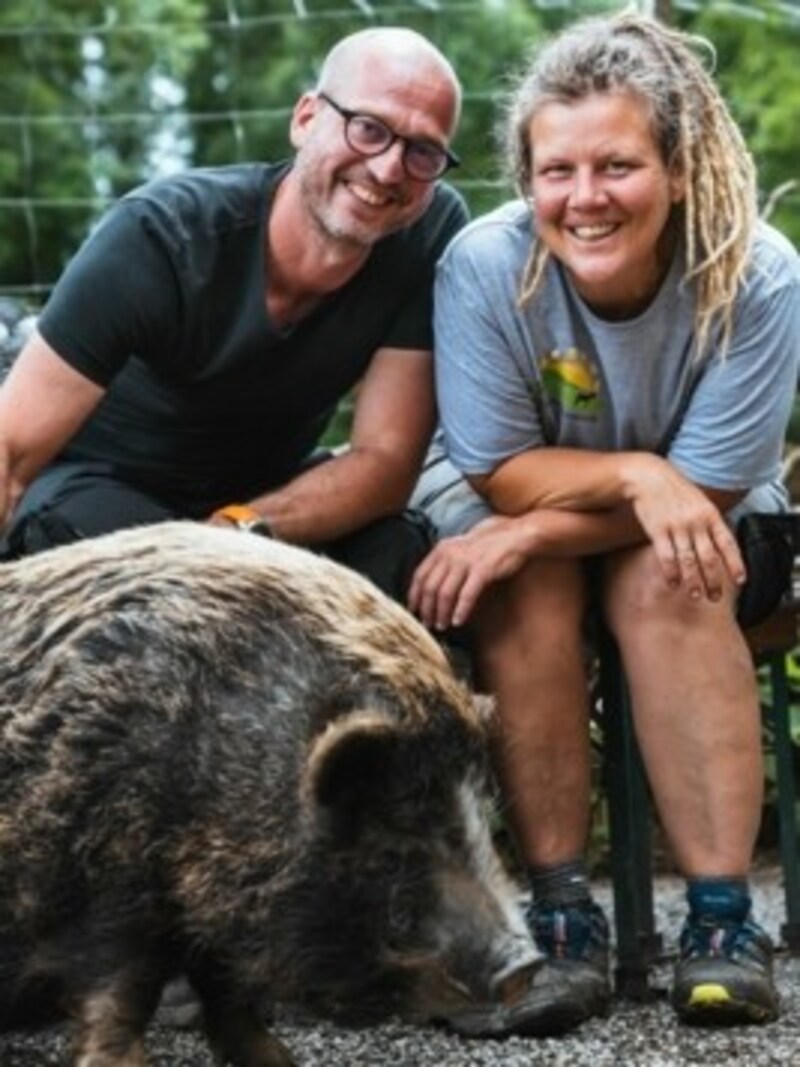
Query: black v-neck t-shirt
{"x": 164, "y": 306}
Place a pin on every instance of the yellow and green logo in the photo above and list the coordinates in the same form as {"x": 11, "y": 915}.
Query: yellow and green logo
{"x": 570, "y": 380}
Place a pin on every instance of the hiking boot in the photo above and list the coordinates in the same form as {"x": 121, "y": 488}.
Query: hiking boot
{"x": 571, "y": 985}
{"x": 724, "y": 973}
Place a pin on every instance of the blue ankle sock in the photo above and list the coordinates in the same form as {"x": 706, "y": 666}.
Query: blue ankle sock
{"x": 726, "y": 899}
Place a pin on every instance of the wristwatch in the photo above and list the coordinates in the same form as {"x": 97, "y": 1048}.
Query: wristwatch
{"x": 243, "y": 517}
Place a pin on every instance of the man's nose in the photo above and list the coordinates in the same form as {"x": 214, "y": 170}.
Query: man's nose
{"x": 387, "y": 167}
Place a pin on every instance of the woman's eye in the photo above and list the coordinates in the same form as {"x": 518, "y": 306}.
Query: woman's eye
{"x": 555, "y": 170}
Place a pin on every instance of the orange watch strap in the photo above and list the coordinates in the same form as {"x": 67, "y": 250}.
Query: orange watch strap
{"x": 243, "y": 517}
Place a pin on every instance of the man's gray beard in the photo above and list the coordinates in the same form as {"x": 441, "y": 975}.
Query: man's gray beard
{"x": 346, "y": 236}
{"x": 328, "y": 229}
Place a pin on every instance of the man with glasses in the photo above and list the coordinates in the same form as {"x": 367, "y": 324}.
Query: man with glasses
{"x": 193, "y": 352}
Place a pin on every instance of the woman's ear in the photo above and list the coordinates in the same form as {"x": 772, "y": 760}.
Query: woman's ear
{"x": 677, "y": 181}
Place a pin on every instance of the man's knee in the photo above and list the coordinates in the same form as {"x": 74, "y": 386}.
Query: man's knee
{"x": 70, "y": 502}
{"x": 36, "y": 532}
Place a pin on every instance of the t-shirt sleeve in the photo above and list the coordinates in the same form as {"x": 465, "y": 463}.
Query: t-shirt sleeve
{"x": 732, "y": 434}
{"x": 412, "y": 326}
{"x": 484, "y": 378}
{"x": 118, "y": 296}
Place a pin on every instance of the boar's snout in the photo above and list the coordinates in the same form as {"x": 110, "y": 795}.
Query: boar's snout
{"x": 508, "y": 987}
{"x": 479, "y": 924}
{"x": 511, "y": 981}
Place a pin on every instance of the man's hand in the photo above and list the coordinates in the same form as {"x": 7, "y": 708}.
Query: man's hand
{"x": 6, "y": 501}
{"x": 447, "y": 584}
{"x": 43, "y": 401}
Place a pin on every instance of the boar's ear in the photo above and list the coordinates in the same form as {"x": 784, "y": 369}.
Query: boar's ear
{"x": 352, "y": 763}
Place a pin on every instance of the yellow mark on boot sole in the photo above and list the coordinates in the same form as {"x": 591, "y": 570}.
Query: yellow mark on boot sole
{"x": 709, "y": 994}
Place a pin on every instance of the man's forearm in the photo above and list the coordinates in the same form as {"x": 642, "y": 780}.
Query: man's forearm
{"x": 336, "y": 496}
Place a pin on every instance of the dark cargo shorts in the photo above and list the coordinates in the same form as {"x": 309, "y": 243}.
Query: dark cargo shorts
{"x": 71, "y": 501}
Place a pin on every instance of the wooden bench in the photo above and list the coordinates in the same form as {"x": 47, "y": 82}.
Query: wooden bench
{"x": 629, "y": 811}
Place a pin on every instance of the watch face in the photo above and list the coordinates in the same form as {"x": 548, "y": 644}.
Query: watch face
{"x": 256, "y": 526}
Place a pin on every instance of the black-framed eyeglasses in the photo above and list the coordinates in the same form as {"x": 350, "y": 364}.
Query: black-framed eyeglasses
{"x": 425, "y": 161}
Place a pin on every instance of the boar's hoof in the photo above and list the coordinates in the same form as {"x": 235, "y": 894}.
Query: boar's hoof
{"x": 268, "y": 1051}
{"x": 239, "y": 1038}
{"x": 134, "y": 1056}
{"x": 179, "y": 1008}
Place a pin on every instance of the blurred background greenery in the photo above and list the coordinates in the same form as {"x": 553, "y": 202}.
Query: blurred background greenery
{"x": 98, "y": 97}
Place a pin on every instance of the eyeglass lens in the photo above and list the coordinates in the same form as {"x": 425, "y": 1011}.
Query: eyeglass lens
{"x": 371, "y": 136}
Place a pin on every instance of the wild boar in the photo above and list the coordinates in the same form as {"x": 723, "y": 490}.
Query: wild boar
{"x": 229, "y": 758}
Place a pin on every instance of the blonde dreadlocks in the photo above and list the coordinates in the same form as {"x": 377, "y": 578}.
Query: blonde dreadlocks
{"x": 691, "y": 124}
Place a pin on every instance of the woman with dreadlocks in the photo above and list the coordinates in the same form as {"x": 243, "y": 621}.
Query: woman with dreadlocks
{"x": 616, "y": 358}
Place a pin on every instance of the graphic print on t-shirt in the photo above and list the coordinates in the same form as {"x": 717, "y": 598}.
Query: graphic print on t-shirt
{"x": 571, "y": 381}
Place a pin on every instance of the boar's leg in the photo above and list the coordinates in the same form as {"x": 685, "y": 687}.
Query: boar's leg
{"x": 239, "y": 1037}
{"x": 237, "y": 1030}
{"x": 110, "y": 1020}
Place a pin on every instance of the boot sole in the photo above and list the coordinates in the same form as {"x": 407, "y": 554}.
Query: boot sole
{"x": 711, "y": 1004}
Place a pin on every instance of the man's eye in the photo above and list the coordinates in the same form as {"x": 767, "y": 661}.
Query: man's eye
{"x": 425, "y": 151}
{"x": 368, "y": 131}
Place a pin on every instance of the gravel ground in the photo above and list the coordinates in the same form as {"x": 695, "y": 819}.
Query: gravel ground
{"x": 634, "y": 1035}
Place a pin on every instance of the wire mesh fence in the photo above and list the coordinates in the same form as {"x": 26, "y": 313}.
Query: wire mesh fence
{"x": 98, "y": 97}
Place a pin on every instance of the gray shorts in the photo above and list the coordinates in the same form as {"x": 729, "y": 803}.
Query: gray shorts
{"x": 446, "y": 497}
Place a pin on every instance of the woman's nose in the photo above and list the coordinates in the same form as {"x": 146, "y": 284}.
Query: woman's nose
{"x": 587, "y": 189}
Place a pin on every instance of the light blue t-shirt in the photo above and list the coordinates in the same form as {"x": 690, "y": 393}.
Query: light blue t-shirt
{"x": 553, "y": 373}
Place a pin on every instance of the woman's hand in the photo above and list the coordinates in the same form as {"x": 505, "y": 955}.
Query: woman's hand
{"x": 693, "y": 542}
{"x": 447, "y": 584}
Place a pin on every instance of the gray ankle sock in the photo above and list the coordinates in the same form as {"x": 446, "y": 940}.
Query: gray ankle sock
{"x": 560, "y": 884}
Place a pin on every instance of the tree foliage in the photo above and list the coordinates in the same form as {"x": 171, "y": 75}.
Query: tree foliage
{"x": 98, "y": 97}
{"x": 758, "y": 68}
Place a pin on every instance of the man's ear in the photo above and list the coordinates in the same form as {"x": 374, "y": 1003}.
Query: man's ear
{"x": 302, "y": 117}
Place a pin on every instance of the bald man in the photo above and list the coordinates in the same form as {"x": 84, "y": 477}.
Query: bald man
{"x": 195, "y": 348}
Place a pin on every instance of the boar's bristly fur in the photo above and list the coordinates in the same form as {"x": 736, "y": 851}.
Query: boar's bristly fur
{"x": 229, "y": 758}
